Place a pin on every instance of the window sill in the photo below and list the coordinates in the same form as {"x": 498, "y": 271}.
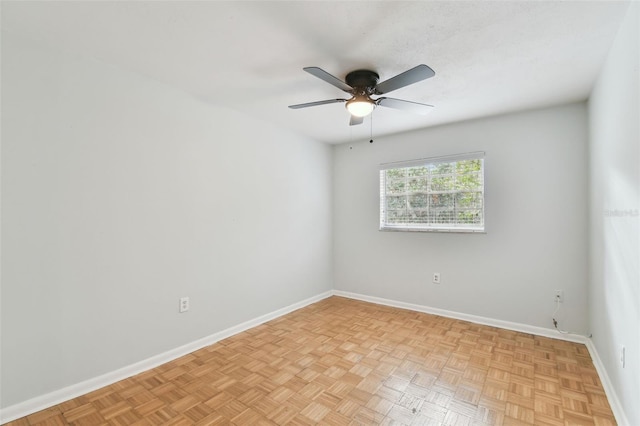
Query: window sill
{"x": 436, "y": 230}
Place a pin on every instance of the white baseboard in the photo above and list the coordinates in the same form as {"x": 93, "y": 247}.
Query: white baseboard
{"x": 612, "y": 396}
{"x": 56, "y": 397}
{"x": 523, "y": 328}
{"x": 614, "y": 401}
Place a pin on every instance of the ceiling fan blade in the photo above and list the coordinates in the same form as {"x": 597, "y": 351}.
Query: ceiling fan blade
{"x": 355, "y": 120}
{"x": 415, "y": 74}
{"x": 310, "y": 104}
{"x": 323, "y": 75}
{"x": 415, "y": 107}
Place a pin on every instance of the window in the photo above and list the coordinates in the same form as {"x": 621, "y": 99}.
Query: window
{"x": 433, "y": 194}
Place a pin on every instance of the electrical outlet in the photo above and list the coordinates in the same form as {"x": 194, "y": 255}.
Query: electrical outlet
{"x": 559, "y": 296}
{"x": 436, "y": 277}
{"x": 184, "y": 304}
{"x": 623, "y": 354}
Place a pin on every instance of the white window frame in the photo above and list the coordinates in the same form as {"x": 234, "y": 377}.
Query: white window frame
{"x": 387, "y": 225}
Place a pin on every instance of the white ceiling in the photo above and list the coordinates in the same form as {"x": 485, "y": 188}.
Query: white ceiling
{"x": 489, "y": 57}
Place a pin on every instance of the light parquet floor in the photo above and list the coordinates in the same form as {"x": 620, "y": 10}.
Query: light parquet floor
{"x": 346, "y": 362}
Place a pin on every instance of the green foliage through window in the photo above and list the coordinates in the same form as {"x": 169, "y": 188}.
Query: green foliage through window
{"x": 438, "y": 194}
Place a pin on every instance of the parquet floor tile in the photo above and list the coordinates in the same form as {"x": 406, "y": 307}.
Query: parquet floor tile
{"x": 346, "y": 362}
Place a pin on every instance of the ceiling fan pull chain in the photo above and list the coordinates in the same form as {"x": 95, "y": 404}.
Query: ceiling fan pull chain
{"x": 371, "y": 128}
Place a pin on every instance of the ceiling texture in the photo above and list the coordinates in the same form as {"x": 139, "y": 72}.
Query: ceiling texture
{"x": 490, "y": 57}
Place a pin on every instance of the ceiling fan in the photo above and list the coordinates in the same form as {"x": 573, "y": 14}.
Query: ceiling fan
{"x": 361, "y": 84}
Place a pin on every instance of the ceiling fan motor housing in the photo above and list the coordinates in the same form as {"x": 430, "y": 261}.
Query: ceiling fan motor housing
{"x": 364, "y": 80}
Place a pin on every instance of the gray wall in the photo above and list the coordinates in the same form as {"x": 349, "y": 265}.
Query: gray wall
{"x": 614, "y": 259}
{"x": 119, "y": 196}
{"x": 536, "y": 221}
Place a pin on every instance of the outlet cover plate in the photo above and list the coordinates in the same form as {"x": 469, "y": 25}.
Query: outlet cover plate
{"x": 184, "y": 304}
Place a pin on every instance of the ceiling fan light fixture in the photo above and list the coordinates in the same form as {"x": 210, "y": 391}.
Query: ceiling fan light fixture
{"x": 360, "y": 106}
